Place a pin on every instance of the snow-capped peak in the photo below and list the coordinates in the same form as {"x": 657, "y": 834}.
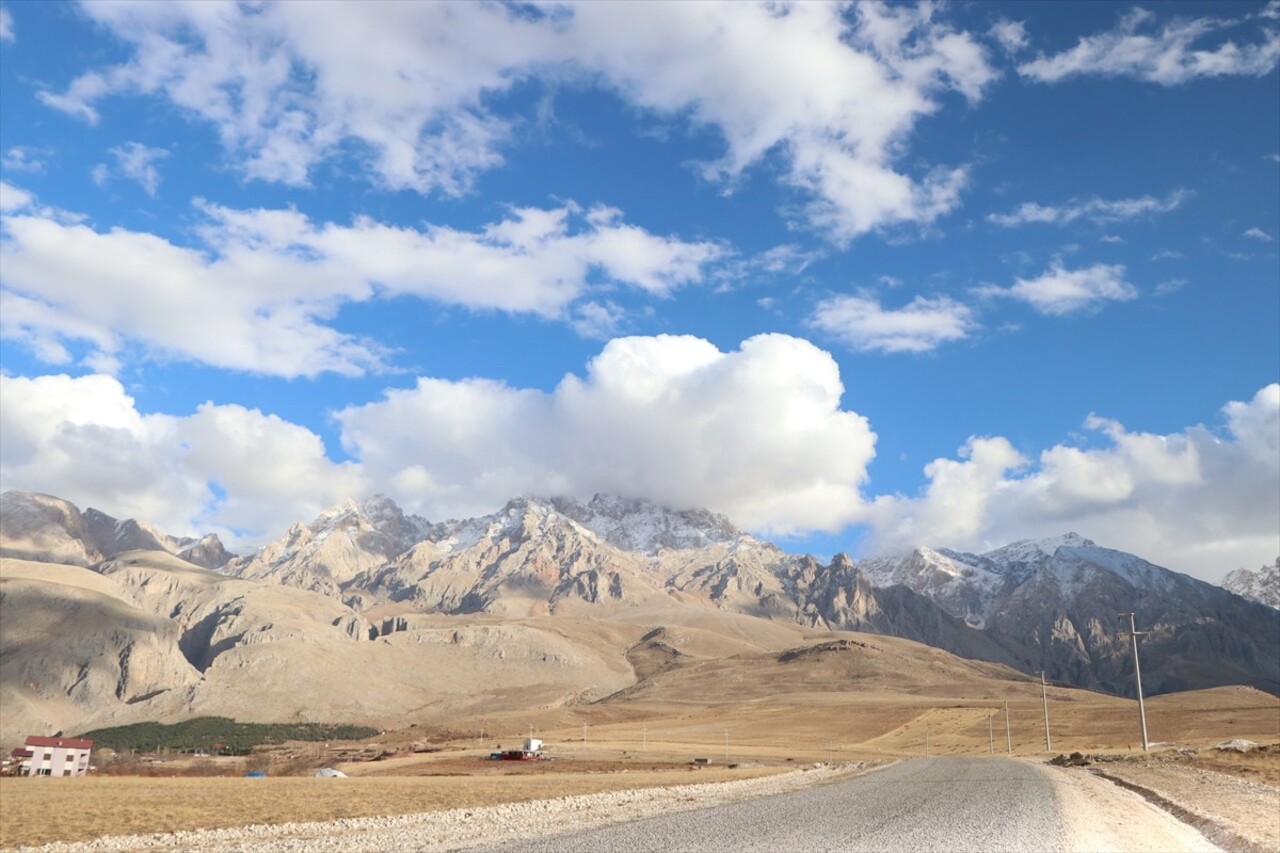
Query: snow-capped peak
{"x": 1033, "y": 550}
{"x": 634, "y": 524}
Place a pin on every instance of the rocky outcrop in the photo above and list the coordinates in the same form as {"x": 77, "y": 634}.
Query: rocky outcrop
{"x": 48, "y": 529}
{"x": 1261, "y": 585}
{"x": 342, "y": 543}
{"x": 45, "y": 529}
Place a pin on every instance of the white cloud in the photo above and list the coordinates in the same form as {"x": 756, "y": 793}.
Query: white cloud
{"x": 598, "y": 320}
{"x": 1011, "y": 35}
{"x": 1170, "y": 55}
{"x": 13, "y": 198}
{"x": 84, "y": 440}
{"x": 22, "y": 159}
{"x": 259, "y": 293}
{"x": 1258, "y": 234}
{"x": 1191, "y": 500}
{"x": 1112, "y": 239}
{"x": 1167, "y": 255}
{"x": 1169, "y": 287}
{"x": 288, "y": 85}
{"x": 6, "y": 25}
{"x": 1097, "y": 210}
{"x": 757, "y": 433}
{"x": 136, "y": 162}
{"x": 1060, "y": 291}
{"x": 923, "y": 324}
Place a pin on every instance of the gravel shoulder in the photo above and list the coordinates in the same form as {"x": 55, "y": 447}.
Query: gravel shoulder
{"x": 1240, "y": 814}
{"x": 1097, "y": 815}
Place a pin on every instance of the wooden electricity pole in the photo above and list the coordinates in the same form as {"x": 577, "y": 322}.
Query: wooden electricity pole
{"x": 1133, "y": 633}
{"x": 1008, "y": 732}
{"x": 1044, "y": 697}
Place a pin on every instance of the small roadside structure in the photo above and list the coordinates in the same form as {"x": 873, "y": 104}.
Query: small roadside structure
{"x": 531, "y": 751}
{"x": 55, "y": 756}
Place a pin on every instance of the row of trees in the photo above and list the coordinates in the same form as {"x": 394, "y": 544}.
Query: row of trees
{"x": 218, "y": 735}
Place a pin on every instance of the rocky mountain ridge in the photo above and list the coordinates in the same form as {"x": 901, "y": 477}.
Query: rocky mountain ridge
{"x": 47, "y": 529}
{"x": 1056, "y": 606}
{"x": 1261, "y": 585}
{"x": 1048, "y": 604}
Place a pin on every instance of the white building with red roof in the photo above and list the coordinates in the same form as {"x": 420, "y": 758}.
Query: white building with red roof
{"x": 56, "y": 756}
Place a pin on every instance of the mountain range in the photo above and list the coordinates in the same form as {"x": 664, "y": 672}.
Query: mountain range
{"x": 109, "y": 619}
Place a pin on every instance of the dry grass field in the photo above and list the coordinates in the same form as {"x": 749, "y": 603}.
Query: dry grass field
{"x": 645, "y": 745}
{"x": 135, "y": 805}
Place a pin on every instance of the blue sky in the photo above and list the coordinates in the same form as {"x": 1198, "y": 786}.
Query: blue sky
{"x": 861, "y": 277}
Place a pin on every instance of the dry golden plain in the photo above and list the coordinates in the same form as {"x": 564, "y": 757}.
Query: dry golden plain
{"x": 113, "y": 805}
{"x": 639, "y": 746}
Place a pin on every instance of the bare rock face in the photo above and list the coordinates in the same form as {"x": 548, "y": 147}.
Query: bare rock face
{"x": 73, "y": 645}
{"x": 146, "y": 634}
{"x": 48, "y": 529}
{"x": 528, "y": 559}
{"x": 214, "y": 613}
{"x": 207, "y": 552}
{"x": 343, "y": 542}
{"x": 1261, "y": 585}
{"x": 643, "y": 526}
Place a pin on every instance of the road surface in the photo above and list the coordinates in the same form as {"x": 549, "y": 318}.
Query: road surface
{"x": 943, "y": 804}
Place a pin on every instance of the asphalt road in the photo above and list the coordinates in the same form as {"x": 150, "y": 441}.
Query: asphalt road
{"x": 924, "y": 804}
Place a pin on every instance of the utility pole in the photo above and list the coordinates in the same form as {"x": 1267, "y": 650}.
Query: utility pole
{"x": 1044, "y": 696}
{"x": 926, "y": 743}
{"x": 1008, "y": 732}
{"x": 644, "y": 739}
{"x": 1133, "y": 633}
{"x": 584, "y": 735}
{"x": 991, "y": 734}
{"x": 726, "y": 745}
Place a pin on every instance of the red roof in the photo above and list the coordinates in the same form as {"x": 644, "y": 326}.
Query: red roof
{"x": 65, "y": 742}
{"x": 19, "y": 752}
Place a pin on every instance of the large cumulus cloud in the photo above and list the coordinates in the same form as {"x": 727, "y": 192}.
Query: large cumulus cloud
{"x": 757, "y": 433}
{"x": 226, "y": 468}
{"x": 1197, "y": 500}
